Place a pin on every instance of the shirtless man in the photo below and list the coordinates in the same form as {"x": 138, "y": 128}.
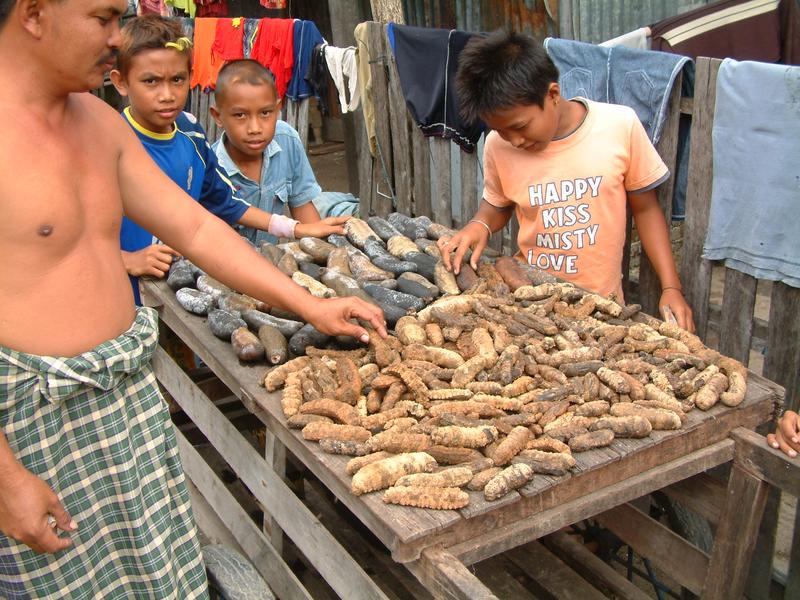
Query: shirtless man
{"x": 71, "y": 167}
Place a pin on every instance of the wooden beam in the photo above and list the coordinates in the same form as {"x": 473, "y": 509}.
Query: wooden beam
{"x": 387, "y": 10}
{"x": 323, "y": 551}
{"x": 668, "y": 551}
{"x": 209, "y": 523}
{"x": 773, "y": 466}
{"x": 443, "y": 203}
{"x": 694, "y": 269}
{"x": 447, "y": 578}
{"x": 702, "y": 494}
{"x": 649, "y": 284}
{"x": 737, "y": 318}
{"x": 736, "y": 536}
{"x": 552, "y": 574}
{"x": 592, "y": 567}
{"x": 256, "y": 547}
{"x": 400, "y": 123}
{"x": 782, "y": 363}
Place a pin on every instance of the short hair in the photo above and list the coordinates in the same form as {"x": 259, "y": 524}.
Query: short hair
{"x": 5, "y": 9}
{"x": 501, "y": 70}
{"x": 149, "y": 32}
{"x": 244, "y": 70}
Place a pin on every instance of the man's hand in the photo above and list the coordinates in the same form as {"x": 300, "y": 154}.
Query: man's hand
{"x": 321, "y": 229}
{"x": 673, "y": 298}
{"x": 473, "y": 235}
{"x": 334, "y": 317}
{"x": 787, "y": 435}
{"x": 153, "y": 261}
{"x": 26, "y": 502}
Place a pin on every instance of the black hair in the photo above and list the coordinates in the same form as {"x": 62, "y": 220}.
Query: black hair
{"x": 243, "y": 70}
{"x": 501, "y": 70}
{"x": 6, "y": 6}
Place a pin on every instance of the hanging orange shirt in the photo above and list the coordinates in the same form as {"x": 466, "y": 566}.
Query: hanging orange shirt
{"x": 205, "y": 65}
{"x": 274, "y": 49}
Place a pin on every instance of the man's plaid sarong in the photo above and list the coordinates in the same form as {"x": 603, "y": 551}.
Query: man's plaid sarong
{"x": 96, "y": 429}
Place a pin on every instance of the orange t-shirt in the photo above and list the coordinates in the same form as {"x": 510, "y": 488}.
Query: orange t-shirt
{"x": 571, "y": 197}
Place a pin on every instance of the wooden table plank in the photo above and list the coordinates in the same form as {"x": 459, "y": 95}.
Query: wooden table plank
{"x": 446, "y": 577}
{"x": 522, "y": 530}
{"x": 407, "y": 531}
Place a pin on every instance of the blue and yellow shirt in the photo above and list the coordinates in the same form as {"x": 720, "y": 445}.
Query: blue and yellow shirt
{"x": 186, "y": 157}
{"x": 286, "y": 178}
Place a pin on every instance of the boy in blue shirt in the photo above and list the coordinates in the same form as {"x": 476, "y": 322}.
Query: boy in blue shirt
{"x": 262, "y": 155}
{"x": 154, "y": 71}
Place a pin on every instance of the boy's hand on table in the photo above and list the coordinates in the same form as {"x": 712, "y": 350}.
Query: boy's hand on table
{"x": 26, "y": 504}
{"x": 787, "y": 435}
{"x": 335, "y": 316}
{"x": 322, "y": 228}
{"x": 153, "y": 261}
{"x": 673, "y": 298}
{"x": 473, "y": 235}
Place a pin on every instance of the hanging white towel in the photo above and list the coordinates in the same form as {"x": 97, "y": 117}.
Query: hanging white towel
{"x": 343, "y": 68}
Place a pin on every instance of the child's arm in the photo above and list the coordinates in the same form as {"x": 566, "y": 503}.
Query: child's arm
{"x": 475, "y": 235}
{"x": 153, "y": 261}
{"x": 311, "y": 225}
{"x": 654, "y": 234}
{"x": 787, "y": 435}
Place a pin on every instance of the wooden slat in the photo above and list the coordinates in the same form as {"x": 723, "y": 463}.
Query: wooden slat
{"x": 736, "y": 536}
{"x": 696, "y": 271}
{"x": 275, "y": 457}
{"x": 792, "y": 588}
{"x": 263, "y": 556}
{"x": 782, "y": 363}
{"x": 753, "y": 454}
{"x": 649, "y": 284}
{"x": 382, "y": 167}
{"x": 506, "y": 536}
{"x": 209, "y": 523}
{"x": 302, "y": 121}
{"x": 400, "y": 130}
{"x": 443, "y": 202}
{"x": 372, "y": 557}
{"x": 588, "y": 564}
{"x": 323, "y": 551}
{"x": 421, "y": 159}
{"x": 552, "y": 574}
{"x": 669, "y": 552}
{"x": 391, "y": 524}
{"x": 470, "y": 194}
{"x": 494, "y": 573}
{"x": 702, "y": 494}
{"x": 736, "y": 324}
{"x": 366, "y": 190}
{"x": 447, "y": 578}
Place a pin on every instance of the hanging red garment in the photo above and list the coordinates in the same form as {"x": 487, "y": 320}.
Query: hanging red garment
{"x": 274, "y": 49}
{"x": 229, "y": 40}
{"x": 212, "y": 8}
{"x": 205, "y": 64}
{"x": 273, "y": 3}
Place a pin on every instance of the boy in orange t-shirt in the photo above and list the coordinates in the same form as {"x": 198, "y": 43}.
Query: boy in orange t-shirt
{"x": 566, "y": 168}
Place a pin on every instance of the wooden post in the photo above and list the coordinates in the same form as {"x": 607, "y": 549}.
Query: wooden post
{"x": 345, "y": 15}
{"x": 649, "y": 285}
{"x": 275, "y": 456}
{"x": 400, "y": 123}
{"x": 382, "y": 181}
{"x": 443, "y": 201}
{"x": 696, "y": 271}
{"x": 387, "y": 10}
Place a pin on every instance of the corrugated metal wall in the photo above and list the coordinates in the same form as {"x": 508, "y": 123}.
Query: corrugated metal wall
{"x": 586, "y": 20}
{"x": 530, "y": 16}
{"x": 596, "y": 21}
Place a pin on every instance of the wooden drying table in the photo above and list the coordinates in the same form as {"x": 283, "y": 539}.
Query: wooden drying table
{"x": 438, "y": 545}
